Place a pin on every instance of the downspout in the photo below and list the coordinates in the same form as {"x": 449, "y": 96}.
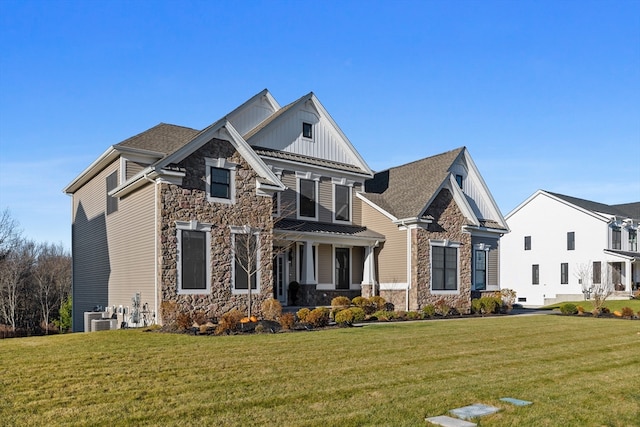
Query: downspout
{"x": 408, "y": 269}
{"x": 155, "y": 247}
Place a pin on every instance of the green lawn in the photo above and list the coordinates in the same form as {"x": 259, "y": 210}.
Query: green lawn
{"x": 578, "y": 372}
{"x": 610, "y": 304}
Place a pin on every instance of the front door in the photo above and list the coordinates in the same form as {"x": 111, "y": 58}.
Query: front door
{"x": 280, "y": 278}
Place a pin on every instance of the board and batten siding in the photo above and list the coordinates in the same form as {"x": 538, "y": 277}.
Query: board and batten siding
{"x": 391, "y": 256}
{"x": 287, "y": 136}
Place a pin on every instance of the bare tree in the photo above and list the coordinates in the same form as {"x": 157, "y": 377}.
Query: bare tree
{"x": 16, "y": 270}
{"x": 585, "y": 278}
{"x": 9, "y": 233}
{"x": 601, "y": 291}
{"x": 52, "y": 277}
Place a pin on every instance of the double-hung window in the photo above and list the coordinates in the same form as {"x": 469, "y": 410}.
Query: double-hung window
{"x": 571, "y": 241}
{"x": 527, "y": 243}
{"x": 596, "y": 272}
{"x": 246, "y": 259}
{"x": 342, "y": 202}
{"x": 564, "y": 273}
{"x": 535, "y": 274}
{"x": 220, "y": 177}
{"x": 616, "y": 238}
{"x": 633, "y": 240}
{"x": 307, "y": 196}
{"x": 444, "y": 267}
{"x": 194, "y": 252}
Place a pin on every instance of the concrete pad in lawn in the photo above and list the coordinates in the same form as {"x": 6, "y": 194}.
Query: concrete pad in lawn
{"x": 474, "y": 411}
{"x": 445, "y": 421}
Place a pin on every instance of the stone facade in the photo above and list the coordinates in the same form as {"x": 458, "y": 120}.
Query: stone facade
{"x": 189, "y": 202}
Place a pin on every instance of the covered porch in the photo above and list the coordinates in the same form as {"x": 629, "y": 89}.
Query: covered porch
{"x": 623, "y": 271}
{"x": 315, "y": 262}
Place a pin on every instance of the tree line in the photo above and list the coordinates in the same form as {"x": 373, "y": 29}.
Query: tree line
{"x": 35, "y": 283}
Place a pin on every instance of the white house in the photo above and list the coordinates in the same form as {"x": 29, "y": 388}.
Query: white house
{"x": 554, "y": 238}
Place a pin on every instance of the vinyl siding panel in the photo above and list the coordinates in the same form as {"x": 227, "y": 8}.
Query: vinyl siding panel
{"x": 357, "y": 264}
{"x": 131, "y": 234}
{"x": 325, "y": 264}
{"x": 288, "y": 198}
{"x": 325, "y": 199}
{"x": 90, "y": 247}
{"x": 133, "y": 168}
{"x": 391, "y": 256}
{"x": 356, "y": 205}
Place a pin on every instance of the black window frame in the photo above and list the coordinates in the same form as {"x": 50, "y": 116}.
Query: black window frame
{"x": 564, "y": 273}
{"x": 571, "y": 240}
{"x": 307, "y": 130}
{"x": 220, "y": 184}
{"x": 306, "y": 202}
{"x": 441, "y": 271}
{"x": 193, "y": 259}
{"x": 596, "y": 272}
{"x": 616, "y": 238}
{"x": 527, "y": 243}
{"x": 345, "y": 205}
{"x": 535, "y": 274}
{"x": 459, "y": 180}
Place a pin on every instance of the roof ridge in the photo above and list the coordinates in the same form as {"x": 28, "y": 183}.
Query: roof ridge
{"x": 422, "y": 160}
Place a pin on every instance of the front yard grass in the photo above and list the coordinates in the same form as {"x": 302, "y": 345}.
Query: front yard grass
{"x": 577, "y": 371}
{"x": 613, "y": 305}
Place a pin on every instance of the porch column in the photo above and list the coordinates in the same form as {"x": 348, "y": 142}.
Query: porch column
{"x": 307, "y": 274}
{"x": 369, "y": 270}
{"x": 628, "y": 278}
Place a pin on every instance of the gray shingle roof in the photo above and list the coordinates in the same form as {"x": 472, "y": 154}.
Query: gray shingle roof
{"x": 404, "y": 191}
{"x": 294, "y": 225}
{"x": 629, "y": 210}
{"x": 285, "y": 155}
{"x": 163, "y": 138}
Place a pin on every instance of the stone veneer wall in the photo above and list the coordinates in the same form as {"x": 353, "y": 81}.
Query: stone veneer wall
{"x": 448, "y": 222}
{"x": 189, "y": 202}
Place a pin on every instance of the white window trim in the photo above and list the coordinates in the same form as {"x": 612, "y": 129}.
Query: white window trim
{"x": 333, "y": 267}
{"x": 221, "y": 163}
{"x": 256, "y": 234}
{"x": 194, "y": 226}
{"x": 344, "y": 183}
{"x": 309, "y": 177}
{"x": 446, "y": 244}
{"x": 480, "y": 247}
{"x": 313, "y": 130}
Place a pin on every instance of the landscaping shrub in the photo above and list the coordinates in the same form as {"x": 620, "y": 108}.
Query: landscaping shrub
{"x": 358, "y": 314}
{"x": 200, "y": 318}
{"x": 360, "y": 301}
{"x": 340, "y": 302}
{"x": 183, "y": 321}
{"x": 344, "y": 317}
{"x": 413, "y": 315}
{"x": 580, "y": 310}
{"x": 378, "y": 301}
{"x": 626, "y": 312}
{"x": 429, "y": 310}
{"x": 287, "y": 320}
{"x": 229, "y": 321}
{"x": 384, "y": 315}
{"x": 271, "y": 309}
{"x": 318, "y": 317}
{"x": 443, "y": 308}
{"x": 568, "y": 308}
{"x": 169, "y": 312}
{"x": 476, "y": 305}
{"x": 605, "y": 310}
{"x": 302, "y": 314}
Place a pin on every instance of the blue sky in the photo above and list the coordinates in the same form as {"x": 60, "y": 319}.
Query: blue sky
{"x": 545, "y": 94}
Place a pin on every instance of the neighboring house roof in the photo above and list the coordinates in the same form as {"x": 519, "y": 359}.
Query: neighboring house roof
{"x": 298, "y": 226}
{"x": 163, "y": 138}
{"x": 388, "y": 189}
{"x": 630, "y": 210}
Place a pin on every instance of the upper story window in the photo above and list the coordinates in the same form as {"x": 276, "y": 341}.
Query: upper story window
{"x": 459, "y": 180}
{"x": 194, "y": 251}
{"x": 307, "y": 130}
{"x": 527, "y": 243}
{"x": 633, "y": 240}
{"x": 444, "y": 267}
{"x": 571, "y": 241}
{"x": 616, "y": 238}
{"x": 220, "y": 180}
{"x": 342, "y": 202}
{"x": 307, "y": 197}
{"x": 112, "y": 202}
{"x": 596, "y": 272}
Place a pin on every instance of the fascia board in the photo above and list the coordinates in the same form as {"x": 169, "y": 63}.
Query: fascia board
{"x": 100, "y": 163}
{"x": 140, "y": 152}
{"x": 362, "y": 197}
{"x": 324, "y": 171}
{"x": 523, "y": 204}
{"x": 485, "y": 189}
{"x": 347, "y": 144}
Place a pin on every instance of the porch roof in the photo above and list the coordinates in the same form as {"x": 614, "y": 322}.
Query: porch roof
{"x": 339, "y": 231}
{"x": 633, "y": 256}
